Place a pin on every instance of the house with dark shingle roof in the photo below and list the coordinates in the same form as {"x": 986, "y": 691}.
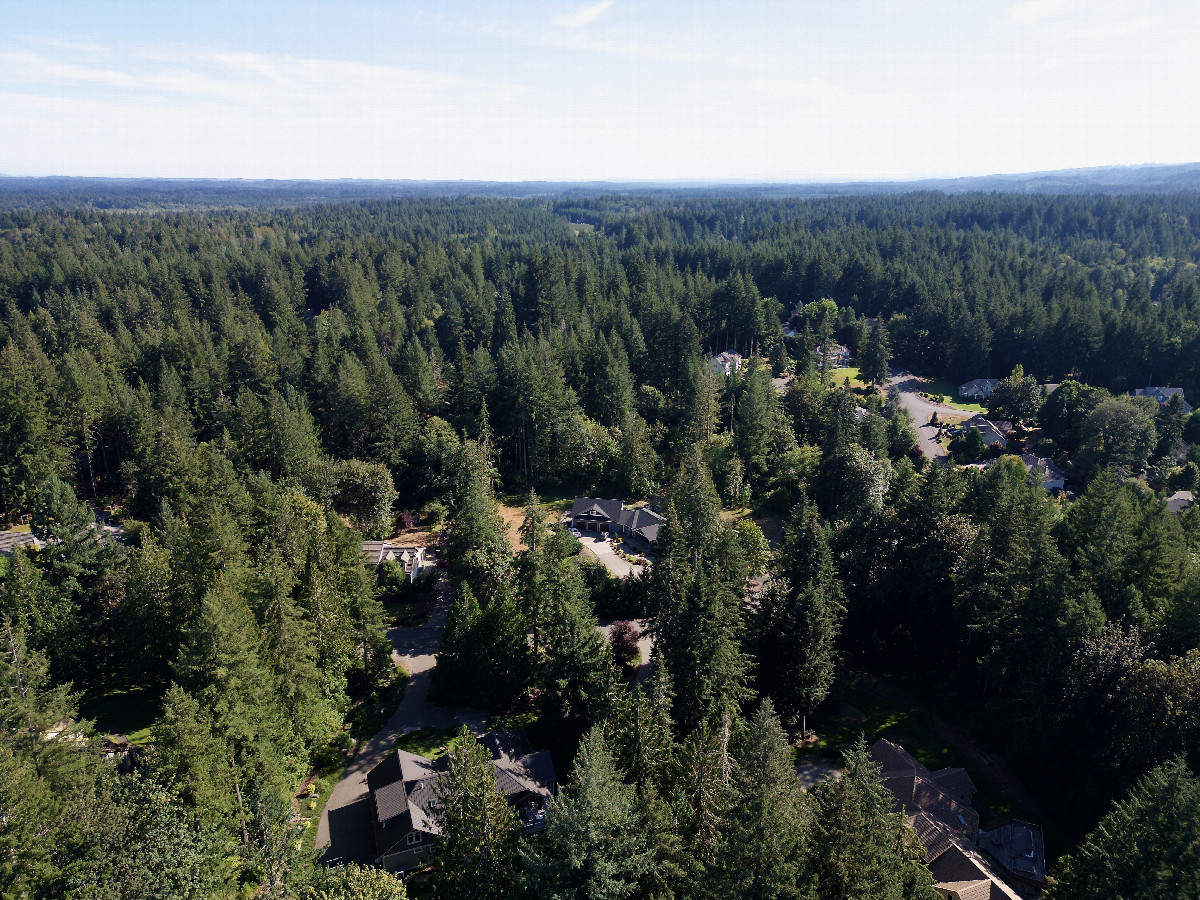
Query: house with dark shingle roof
{"x": 404, "y": 802}
{"x": 639, "y": 526}
{"x": 978, "y": 389}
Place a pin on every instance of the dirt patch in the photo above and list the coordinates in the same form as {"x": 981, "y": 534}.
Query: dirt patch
{"x": 513, "y": 516}
{"x": 417, "y": 537}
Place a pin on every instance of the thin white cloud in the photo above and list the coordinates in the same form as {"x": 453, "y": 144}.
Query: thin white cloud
{"x": 1030, "y": 12}
{"x": 1122, "y": 27}
{"x": 586, "y": 15}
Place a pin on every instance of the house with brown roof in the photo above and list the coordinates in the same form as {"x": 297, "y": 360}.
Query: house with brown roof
{"x": 937, "y": 805}
{"x": 404, "y": 802}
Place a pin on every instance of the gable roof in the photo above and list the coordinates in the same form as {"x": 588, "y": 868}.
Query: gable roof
{"x": 1180, "y": 500}
{"x": 643, "y": 521}
{"x": 11, "y": 540}
{"x": 403, "y": 787}
{"x": 597, "y": 507}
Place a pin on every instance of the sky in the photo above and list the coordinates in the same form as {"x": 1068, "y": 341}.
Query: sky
{"x": 605, "y": 90}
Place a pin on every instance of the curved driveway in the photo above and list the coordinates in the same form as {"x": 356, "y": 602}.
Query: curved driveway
{"x": 345, "y": 825}
{"x": 921, "y": 410}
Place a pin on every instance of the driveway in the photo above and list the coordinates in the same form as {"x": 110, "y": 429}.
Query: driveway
{"x": 645, "y": 645}
{"x": 345, "y": 826}
{"x": 922, "y": 410}
{"x": 601, "y": 548}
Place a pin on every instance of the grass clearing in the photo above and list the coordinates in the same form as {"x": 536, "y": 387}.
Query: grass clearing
{"x": 946, "y": 393}
{"x": 429, "y": 742}
{"x": 127, "y": 711}
{"x": 838, "y": 377}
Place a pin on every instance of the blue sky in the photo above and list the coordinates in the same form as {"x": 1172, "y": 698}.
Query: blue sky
{"x": 616, "y": 89}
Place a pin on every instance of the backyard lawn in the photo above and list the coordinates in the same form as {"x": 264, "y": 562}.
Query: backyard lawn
{"x": 946, "y": 393}
{"x": 127, "y": 711}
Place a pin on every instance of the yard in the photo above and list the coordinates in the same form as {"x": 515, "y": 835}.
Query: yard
{"x": 946, "y": 393}
{"x": 873, "y": 708}
{"x": 127, "y": 711}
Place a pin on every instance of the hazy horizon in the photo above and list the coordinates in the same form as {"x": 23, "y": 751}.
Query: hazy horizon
{"x": 609, "y": 91}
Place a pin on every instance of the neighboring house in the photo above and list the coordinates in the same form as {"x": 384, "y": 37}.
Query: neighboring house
{"x": 938, "y": 807}
{"x": 979, "y": 389}
{"x": 860, "y": 414}
{"x": 404, "y": 802}
{"x": 1180, "y": 500}
{"x": 1019, "y": 848}
{"x": 991, "y": 432}
{"x": 1053, "y": 478}
{"x": 411, "y": 558}
{"x": 638, "y": 526}
{"x": 1163, "y": 395}
{"x": 11, "y": 540}
{"x": 838, "y": 355}
{"x": 727, "y": 363}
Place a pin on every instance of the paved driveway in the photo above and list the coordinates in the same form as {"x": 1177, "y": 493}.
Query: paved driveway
{"x": 345, "y": 827}
{"x": 922, "y": 410}
{"x": 601, "y": 548}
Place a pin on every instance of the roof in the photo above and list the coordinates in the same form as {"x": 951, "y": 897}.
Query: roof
{"x": 11, "y": 540}
{"x": 1019, "y": 848}
{"x": 979, "y": 384}
{"x": 598, "y": 507}
{"x": 403, "y": 787}
{"x": 957, "y": 783}
{"x": 643, "y": 521}
{"x": 1163, "y": 395}
{"x": 378, "y": 552}
{"x": 1180, "y": 500}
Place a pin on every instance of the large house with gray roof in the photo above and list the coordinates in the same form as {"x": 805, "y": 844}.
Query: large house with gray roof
{"x": 638, "y": 526}
{"x": 1162, "y": 396}
{"x": 404, "y": 801}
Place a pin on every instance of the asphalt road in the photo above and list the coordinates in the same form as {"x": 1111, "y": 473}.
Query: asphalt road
{"x": 922, "y": 410}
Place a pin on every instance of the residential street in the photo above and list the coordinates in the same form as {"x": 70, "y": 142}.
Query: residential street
{"x": 921, "y": 410}
{"x": 345, "y": 826}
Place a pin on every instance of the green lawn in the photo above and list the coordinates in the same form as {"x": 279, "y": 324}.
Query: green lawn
{"x": 838, "y": 377}
{"x": 429, "y": 742}
{"x": 127, "y": 711}
{"x": 946, "y": 393}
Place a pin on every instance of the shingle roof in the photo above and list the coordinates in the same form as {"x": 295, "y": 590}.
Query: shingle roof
{"x": 596, "y": 506}
{"x": 957, "y": 783}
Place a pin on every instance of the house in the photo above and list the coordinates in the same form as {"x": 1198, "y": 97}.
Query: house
{"x": 979, "y": 389}
{"x": 411, "y": 558}
{"x": 938, "y": 807}
{"x": 1180, "y": 500}
{"x": 991, "y": 432}
{"x": 638, "y": 526}
{"x": 404, "y": 801}
{"x": 1019, "y": 848}
{"x": 838, "y": 355}
{"x": 727, "y": 363}
{"x": 861, "y": 414}
{"x": 1163, "y": 395}
{"x": 11, "y": 540}
{"x": 1053, "y": 478}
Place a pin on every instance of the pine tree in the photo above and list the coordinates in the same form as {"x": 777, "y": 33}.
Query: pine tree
{"x": 479, "y": 551}
{"x": 768, "y": 825}
{"x": 1148, "y": 846}
{"x": 478, "y": 848}
{"x": 875, "y": 354}
{"x": 860, "y": 849}
{"x": 592, "y": 848}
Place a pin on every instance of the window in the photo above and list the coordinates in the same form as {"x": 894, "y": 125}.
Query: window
{"x": 414, "y": 837}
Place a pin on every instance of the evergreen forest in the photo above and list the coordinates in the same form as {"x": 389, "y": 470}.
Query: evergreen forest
{"x": 205, "y": 410}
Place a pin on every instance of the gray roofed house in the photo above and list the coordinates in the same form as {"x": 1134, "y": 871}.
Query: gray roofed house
{"x": 404, "y": 801}
{"x": 1180, "y": 500}
{"x": 639, "y": 526}
{"x": 1053, "y": 478}
{"x": 1163, "y": 395}
{"x": 410, "y": 557}
{"x": 11, "y": 540}
{"x": 727, "y": 363}
{"x": 991, "y": 432}
{"x": 978, "y": 389}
